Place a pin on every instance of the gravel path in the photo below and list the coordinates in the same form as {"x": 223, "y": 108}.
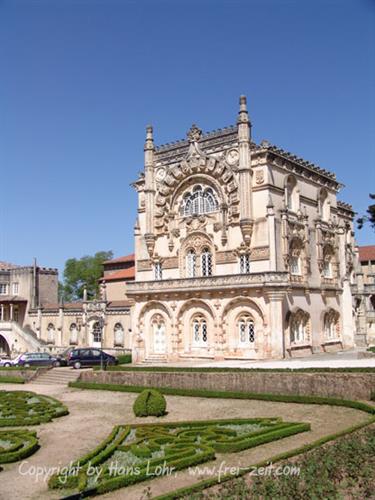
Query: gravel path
{"x": 94, "y": 413}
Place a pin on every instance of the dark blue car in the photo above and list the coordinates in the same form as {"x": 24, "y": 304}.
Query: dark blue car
{"x": 90, "y": 356}
{"x": 36, "y": 359}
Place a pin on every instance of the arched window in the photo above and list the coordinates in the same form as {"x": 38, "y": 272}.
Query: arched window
{"x": 246, "y": 330}
{"x": 199, "y": 201}
{"x": 206, "y": 262}
{"x": 97, "y": 331}
{"x": 295, "y": 254}
{"x": 199, "y": 327}
{"x": 158, "y": 328}
{"x": 191, "y": 260}
{"x": 244, "y": 263}
{"x": 73, "y": 330}
{"x": 291, "y": 195}
{"x": 324, "y": 205}
{"x": 331, "y": 321}
{"x": 118, "y": 333}
{"x": 298, "y": 327}
{"x": 51, "y": 333}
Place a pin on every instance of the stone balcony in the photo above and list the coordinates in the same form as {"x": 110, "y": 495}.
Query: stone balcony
{"x": 272, "y": 280}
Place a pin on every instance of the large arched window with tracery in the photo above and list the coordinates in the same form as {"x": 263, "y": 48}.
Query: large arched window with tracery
{"x": 331, "y": 324}
{"x": 246, "y": 330}
{"x": 199, "y": 331}
{"x": 97, "y": 331}
{"x": 199, "y": 201}
{"x": 191, "y": 264}
{"x": 206, "y": 262}
{"x": 51, "y": 333}
{"x": 299, "y": 327}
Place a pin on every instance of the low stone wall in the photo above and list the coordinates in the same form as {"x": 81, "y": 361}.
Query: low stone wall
{"x": 340, "y": 385}
{"x": 27, "y": 375}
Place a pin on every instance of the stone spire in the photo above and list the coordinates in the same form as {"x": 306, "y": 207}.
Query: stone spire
{"x": 149, "y": 150}
{"x": 244, "y": 170}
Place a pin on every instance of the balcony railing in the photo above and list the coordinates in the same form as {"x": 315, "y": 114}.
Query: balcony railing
{"x": 253, "y": 280}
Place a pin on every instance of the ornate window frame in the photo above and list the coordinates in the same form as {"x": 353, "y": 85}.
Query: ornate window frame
{"x": 299, "y": 328}
{"x": 199, "y": 200}
{"x": 199, "y": 330}
{"x": 246, "y": 330}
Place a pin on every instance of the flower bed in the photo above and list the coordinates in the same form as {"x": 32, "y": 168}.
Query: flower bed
{"x": 17, "y": 444}
{"x": 27, "y": 408}
{"x": 138, "y": 452}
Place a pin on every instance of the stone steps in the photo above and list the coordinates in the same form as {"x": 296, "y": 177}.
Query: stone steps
{"x": 56, "y": 376}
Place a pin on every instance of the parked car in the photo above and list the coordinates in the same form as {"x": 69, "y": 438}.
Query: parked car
{"x": 63, "y": 358}
{"x": 10, "y": 362}
{"x": 90, "y": 356}
{"x": 37, "y": 359}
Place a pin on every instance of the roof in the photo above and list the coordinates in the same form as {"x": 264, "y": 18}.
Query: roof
{"x": 366, "y": 253}
{"x": 120, "y": 275}
{"x": 119, "y": 260}
{"x": 65, "y": 305}
{"x": 6, "y": 265}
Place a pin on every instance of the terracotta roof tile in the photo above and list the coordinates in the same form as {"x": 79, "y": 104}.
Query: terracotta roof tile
{"x": 367, "y": 253}
{"x": 122, "y": 274}
{"x": 119, "y": 260}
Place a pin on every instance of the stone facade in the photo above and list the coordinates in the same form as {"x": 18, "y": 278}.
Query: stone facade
{"x": 242, "y": 251}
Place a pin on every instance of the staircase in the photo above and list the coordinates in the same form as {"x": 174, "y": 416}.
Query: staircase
{"x": 56, "y": 376}
{"x": 155, "y": 358}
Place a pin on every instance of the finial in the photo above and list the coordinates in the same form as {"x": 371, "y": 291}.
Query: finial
{"x": 194, "y": 133}
{"x": 242, "y": 115}
{"x": 149, "y": 144}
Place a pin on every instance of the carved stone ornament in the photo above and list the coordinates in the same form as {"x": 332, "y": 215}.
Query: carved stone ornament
{"x": 194, "y": 134}
{"x": 259, "y": 177}
{"x": 232, "y": 157}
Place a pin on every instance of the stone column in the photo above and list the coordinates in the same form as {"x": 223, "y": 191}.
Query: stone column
{"x": 149, "y": 149}
{"x": 2, "y": 312}
{"x": 244, "y": 171}
{"x": 277, "y": 340}
{"x": 271, "y": 234}
{"x": 11, "y": 312}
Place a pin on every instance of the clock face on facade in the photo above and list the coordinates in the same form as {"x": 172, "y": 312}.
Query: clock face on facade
{"x": 232, "y": 156}
{"x": 160, "y": 174}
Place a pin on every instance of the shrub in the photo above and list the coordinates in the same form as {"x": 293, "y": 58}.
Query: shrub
{"x": 124, "y": 359}
{"x": 150, "y": 403}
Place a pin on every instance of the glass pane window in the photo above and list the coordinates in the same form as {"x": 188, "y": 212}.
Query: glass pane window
{"x": 158, "y": 271}
{"x": 3, "y": 288}
{"x": 244, "y": 263}
{"x": 200, "y": 332}
{"x": 97, "y": 332}
{"x": 206, "y": 263}
{"x": 295, "y": 265}
{"x": 15, "y": 288}
{"x": 246, "y": 330}
{"x": 199, "y": 201}
{"x": 191, "y": 264}
{"x": 327, "y": 269}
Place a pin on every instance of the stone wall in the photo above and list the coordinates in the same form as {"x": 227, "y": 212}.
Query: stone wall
{"x": 340, "y": 385}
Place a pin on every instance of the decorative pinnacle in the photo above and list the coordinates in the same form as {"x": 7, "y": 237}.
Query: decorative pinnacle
{"x": 149, "y": 138}
{"x": 243, "y": 115}
{"x": 194, "y": 133}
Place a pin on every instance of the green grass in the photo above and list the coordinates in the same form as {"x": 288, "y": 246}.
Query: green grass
{"x": 9, "y": 379}
{"x": 124, "y": 359}
{"x": 18, "y": 368}
{"x": 282, "y": 398}
{"x": 237, "y": 370}
{"x": 371, "y": 349}
{"x": 177, "y": 445}
{"x": 27, "y": 408}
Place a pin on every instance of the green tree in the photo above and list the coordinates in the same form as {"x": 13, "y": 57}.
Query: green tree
{"x": 370, "y": 217}
{"x": 82, "y": 272}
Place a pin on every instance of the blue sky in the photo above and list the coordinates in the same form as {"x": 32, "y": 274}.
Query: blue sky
{"x": 79, "y": 81}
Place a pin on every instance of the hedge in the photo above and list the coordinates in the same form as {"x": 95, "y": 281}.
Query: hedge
{"x": 23, "y": 443}
{"x": 237, "y": 370}
{"x": 281, "y": 398}
{"x": 27, "y": 408}
{"x": 11, "y": 380}
{"x": 150, "y": 402}
{"x": 180, "y": 448}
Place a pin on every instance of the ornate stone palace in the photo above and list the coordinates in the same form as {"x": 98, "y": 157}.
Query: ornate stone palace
{"x": 242, "y": 251}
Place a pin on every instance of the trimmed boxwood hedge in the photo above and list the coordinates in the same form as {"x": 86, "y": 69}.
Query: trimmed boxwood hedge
{"x": 172, "y": 446}
{"x": 8, "y": 379}
{"x": 27, "y": 408}
{"x": 150, "y": 403}
{"x": 237, "y": 370}
{"x": 282, "y": 398}
{"x": 19, "y": 445}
